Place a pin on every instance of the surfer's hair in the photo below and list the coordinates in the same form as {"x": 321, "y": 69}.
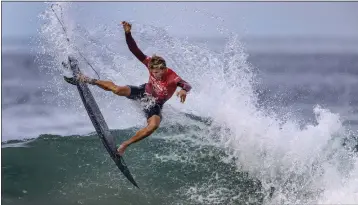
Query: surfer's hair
{"x": 157, "y": 62}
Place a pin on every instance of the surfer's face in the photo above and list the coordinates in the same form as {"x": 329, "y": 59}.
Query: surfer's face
{"x": 157, "y": 73}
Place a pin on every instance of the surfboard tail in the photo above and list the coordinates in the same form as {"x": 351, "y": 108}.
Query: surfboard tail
{"x": 123, "y": 167}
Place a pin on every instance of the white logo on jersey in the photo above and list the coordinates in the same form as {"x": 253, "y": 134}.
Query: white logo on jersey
{"x": 158, "y": 87}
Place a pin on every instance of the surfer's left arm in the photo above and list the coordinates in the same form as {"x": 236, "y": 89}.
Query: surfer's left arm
{"x": 186, "y": 87}
{"x": 132, "y": 45}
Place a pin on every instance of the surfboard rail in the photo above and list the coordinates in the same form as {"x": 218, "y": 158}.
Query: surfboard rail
{"x": 98, "y": 121}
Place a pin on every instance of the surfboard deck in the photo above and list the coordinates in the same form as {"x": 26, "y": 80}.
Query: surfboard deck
{"x": 97, "y": 119}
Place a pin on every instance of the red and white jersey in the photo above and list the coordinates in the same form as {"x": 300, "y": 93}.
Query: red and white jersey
{"x": 162, "y": 89}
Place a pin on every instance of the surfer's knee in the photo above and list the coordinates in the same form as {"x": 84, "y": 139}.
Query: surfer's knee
{"x": 150, "y": 129}
{"x": 153, "y": 123}
{"x": 153, "y": 127}
{"x": 122, "y": 91}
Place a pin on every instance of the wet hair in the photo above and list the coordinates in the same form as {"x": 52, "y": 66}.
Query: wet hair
{"x": 157, "y": 62}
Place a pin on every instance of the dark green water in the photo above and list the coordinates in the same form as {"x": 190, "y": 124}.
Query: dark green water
{"x": 77, "y": 170}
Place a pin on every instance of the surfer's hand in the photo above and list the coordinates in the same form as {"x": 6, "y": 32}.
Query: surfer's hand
{"x": 126, "y": 26}
{"x": 182, "y": 95}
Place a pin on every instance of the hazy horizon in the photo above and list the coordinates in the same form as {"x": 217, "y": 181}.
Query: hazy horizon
{"x": 252, "y": 44}
{"x": 201, "y": 19}
{"x": 277, "y": 26}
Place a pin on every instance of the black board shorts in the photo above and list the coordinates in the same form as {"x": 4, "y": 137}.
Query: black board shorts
{"x": 138, "y": 94}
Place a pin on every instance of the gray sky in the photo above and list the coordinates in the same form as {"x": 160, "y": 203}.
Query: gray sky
{"x": 329, "y": 19}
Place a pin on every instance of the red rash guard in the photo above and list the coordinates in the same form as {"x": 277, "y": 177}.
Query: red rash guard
{"x": 162, "y": 89}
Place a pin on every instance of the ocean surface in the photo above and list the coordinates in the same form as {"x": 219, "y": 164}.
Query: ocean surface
{"x": 257, "y": 128}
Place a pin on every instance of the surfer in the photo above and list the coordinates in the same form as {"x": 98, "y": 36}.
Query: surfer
{"x": 161, "y": 86}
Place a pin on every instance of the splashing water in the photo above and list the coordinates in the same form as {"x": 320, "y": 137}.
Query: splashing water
{"x": 304, "y": 164}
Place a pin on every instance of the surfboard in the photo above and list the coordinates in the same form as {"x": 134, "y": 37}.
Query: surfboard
{"x": 97, "y": 119}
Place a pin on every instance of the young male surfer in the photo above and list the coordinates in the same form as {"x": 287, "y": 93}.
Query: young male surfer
{"x": 162, "y": 84}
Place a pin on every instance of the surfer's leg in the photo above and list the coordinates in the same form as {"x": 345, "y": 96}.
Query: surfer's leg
{"x": 110, "y": 86}
{"x": 154, "y": 118}
{"x": 153, "y": 114}
{"x": 105, "y": 85}
{"x": 153, "y": 124}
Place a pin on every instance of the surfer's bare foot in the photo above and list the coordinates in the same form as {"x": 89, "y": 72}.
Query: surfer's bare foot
{"x": 82, "y": 78}
{"x": 122, "y": 148}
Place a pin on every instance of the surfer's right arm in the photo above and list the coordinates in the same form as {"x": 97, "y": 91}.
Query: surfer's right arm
{"x": 132, "y": 45}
